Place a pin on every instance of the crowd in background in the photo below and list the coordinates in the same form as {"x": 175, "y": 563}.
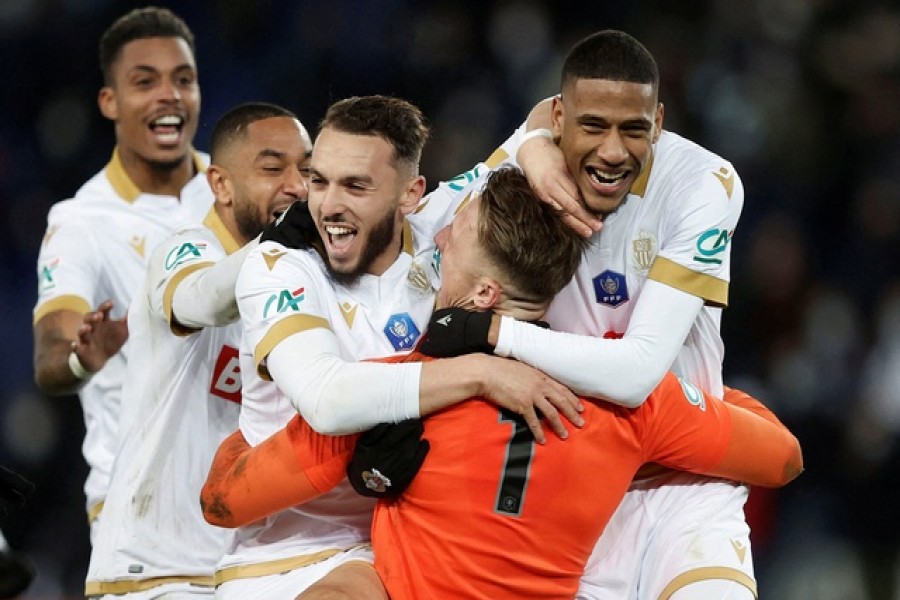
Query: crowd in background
{"x": 803, "y": 96}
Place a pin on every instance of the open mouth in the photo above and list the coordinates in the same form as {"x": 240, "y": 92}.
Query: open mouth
{"x": 603, "y": 180}
{"x": 340, "y": 236}
{"x": 167, "y": 128}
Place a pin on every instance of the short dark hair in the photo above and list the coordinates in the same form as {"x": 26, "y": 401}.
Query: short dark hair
{"x": 139, "y": 24}
{"x": 395, "y": 120}
{"x": 526, "y": 238}
{"x": 234, "y": 123}
{"x": 612, "y": 55}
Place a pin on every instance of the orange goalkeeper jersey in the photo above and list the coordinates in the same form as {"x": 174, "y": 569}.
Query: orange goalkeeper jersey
{"x": 491, "y": 514}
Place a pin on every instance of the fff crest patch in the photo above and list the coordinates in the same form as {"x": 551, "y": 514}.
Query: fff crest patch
{"x": 610, "y": 288}
{"x": 401, "y": 331}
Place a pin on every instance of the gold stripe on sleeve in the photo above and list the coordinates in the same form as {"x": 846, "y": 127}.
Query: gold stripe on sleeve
{"x": 169, "y": 293}
{"x": 496, "y": 157}
{"x": 713, "y": 290}
{"x": 280, "y": 331}
{"x": 94, "y": 512}
{"x": 69, "y": 302}
{"x": 706, "y": 574}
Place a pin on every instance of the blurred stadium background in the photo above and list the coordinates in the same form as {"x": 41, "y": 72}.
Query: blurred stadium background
{"x": 803, "y": 96}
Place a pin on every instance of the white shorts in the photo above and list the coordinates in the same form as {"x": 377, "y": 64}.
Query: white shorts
{"x": 288, "y": 585}
{"x": 668, "y": 532}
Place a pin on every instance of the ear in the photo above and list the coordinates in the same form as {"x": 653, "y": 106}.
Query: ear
{"x": 220, "y": 184}
{"x": 556, "y": 116}
{"x": 106, "y": 100}
{"x": 415, "y": 189}
{"x": 487, "y": 293}
{"x": 658, "y": 121}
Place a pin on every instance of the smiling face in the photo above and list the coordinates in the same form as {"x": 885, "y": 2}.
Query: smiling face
{"x": 262, "y": 172}
{"x": 606, "y": 130}
{"x": 358, "y": 197}
{"x": 154, "y": 99}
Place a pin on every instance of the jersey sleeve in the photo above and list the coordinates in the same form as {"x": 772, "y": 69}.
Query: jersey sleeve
{"x": 690, "y": 430}
{"x": 69, "y": 267}
{"x": 293, "y": 466}
{"x": 278, "y": 294}
{"x": 177, "y": 257}
{"x": 696, "y": 254}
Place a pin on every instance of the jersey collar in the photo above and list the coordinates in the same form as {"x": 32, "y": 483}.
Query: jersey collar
{"x": 124, "y": 186}
{"x": 215, "y": 224}
{"x": 639, "y": 187}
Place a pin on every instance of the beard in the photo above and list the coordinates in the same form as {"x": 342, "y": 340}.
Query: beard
{"x": 166, "y": 165}
{"x": 380, "y": 237}
{"x": 248, "y": 221}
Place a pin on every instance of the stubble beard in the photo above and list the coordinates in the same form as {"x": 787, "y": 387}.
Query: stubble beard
{"x": 380, "y": 239}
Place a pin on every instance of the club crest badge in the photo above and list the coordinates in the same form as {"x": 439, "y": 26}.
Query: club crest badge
{"x": 644, "y": 247}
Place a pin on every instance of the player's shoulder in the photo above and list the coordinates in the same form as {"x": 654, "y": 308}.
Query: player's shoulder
{"x": 674, "y": 151}
{"x": 273, "y": 257}
{"x": 685, "y": 167}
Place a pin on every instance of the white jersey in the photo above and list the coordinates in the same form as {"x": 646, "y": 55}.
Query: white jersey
{"x": 281, "y": 292}
{"x": 674, "y": 227}
{"x": 180, "y": 399}
{"x": 95, "y": 249}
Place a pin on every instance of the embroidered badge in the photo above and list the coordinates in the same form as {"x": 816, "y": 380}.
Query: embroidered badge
{"x": 376, "y": 481}
{"x": 401, "y": 331}
{"x": 644, "y": 251}
{"x": 610, "y": 288}
{"x": 417, "y": 278}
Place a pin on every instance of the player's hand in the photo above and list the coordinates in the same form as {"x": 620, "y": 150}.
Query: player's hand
{"x": 455, "y": 331}
{"x": 545, "y": 167}
{"x": 524, "y": 390}
{"x": 386, "y": 459}
{"x": 99, "y": 337}
{"x": 294, "y": 229}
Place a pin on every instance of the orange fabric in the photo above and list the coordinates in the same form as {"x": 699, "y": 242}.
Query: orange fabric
{"x": 446, "y": 537}
{"x": 246, "y": 484}
{"x": 457, "y": 533}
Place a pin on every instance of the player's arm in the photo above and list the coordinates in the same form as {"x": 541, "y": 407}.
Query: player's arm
{"x": 326, "y": 390}
{"x": 761, "y": 451}
{"x": 205, "y": 297}
{"x": 293, "y": 466}
{"x": 694, "y": 431}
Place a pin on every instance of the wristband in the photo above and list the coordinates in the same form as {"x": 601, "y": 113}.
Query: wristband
{"x": 77, "y": 368}
{"x": 539, "y": 132}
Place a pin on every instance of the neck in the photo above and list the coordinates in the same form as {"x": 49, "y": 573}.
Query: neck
{"x": 158, "y": 178}
{"x": 521, "y": 309}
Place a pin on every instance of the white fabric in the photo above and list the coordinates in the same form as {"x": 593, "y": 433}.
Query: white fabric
{"x": 216, "y": 285}
{"x": 624, "y": 370}
{"x": 692, "y": 197}
{"x": 96, "y": 248}
{"x": 325, "y": 389}
{"x": 286, "y": 293}
{"x": 179, "y": 401}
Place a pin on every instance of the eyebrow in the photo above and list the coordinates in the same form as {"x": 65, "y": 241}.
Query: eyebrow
{"x": 268, "y": 152}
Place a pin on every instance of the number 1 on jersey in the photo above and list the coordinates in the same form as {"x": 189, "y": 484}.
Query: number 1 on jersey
{"x": 514, "y": 479}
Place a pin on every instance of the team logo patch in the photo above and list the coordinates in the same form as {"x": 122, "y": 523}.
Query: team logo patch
{"x": 726, "y": 178}
{"x": 610, "y": 288}
{"x": 693, "y": 394}
{"x": 184, "y": 253}
{"x": 401, "y": 331}
{"x": 644, "y": 251}
{"x": 711, "y": 245}
{"x": 45, "y": 276}
{"x": 376, "y": 481}
{"x": 138, "y": 243}
{"x": 348, "y": 310}
{"x": 283, "y": 301}
{"x": 417, "y": 278}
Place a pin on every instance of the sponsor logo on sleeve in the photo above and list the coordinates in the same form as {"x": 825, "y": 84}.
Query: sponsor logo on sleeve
{"x": 610, "y": 288}
{"x": 459, "y": 182}
{"x": 711, "y": 245}
{"x": 401, "y": 331}
{"x": 693, "y": 394}
{"x": 45, "y": 275}
{"x": 284, "y": 301}
{"x": 183, "y": 254}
